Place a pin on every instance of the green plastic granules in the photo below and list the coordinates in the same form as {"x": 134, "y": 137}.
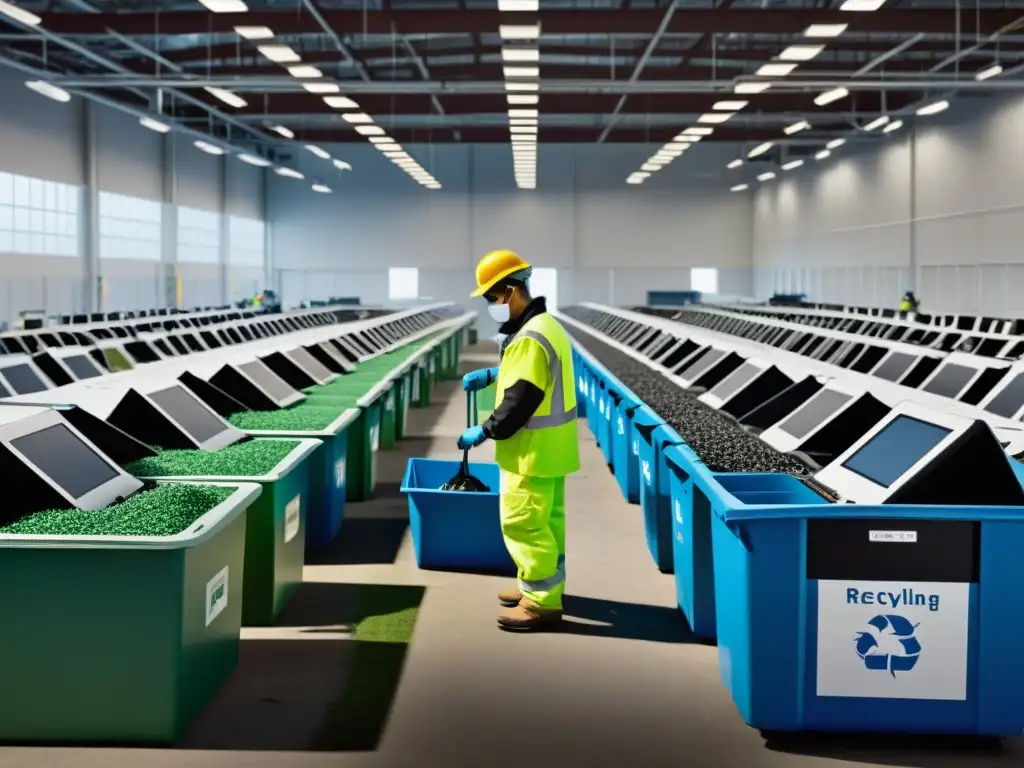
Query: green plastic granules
{"x": 300, "y": 418}
{"x": 250, "y": 459}
{"x": 167, "y": 510}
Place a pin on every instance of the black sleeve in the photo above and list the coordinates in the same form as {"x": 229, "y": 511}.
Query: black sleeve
{"x": 518, "y": 405}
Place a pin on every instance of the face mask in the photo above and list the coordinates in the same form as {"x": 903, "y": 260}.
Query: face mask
{"x": 500, "y": 313}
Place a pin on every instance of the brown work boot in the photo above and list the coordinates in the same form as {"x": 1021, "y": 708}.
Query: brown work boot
{"x": 510, "y": 597}
{"x": 527, "y": 617}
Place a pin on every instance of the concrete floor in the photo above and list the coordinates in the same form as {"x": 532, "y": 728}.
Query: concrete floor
{"x": 623, "y": 683}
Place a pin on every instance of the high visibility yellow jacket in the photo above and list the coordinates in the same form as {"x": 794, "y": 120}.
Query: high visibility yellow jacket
{"x": 547, "y": 446}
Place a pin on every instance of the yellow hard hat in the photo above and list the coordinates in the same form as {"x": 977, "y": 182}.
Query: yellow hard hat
{"x": 495, "y": 267}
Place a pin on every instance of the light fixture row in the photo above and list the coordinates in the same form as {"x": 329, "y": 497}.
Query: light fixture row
{"x": 520, "y": 55}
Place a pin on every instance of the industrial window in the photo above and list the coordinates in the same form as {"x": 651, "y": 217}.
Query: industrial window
{"x": 403, "y": 283}
{"x": 247, "y": 244}
{"x": 704, "y": 279}
{"x": 129, "y": 227}
{"x": 38, "y": 216}
{"x": 198, "y": 236}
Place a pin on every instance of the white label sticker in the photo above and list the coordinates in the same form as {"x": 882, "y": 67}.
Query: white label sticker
{"x": 416, "y": 385}
{"x": 645, "y": 470}
{"x": 216, "y": 595}
{"x": 622, "y": 426}
{"x": 339, "y": 473}
{"x": 375, "y": 438}
{"x": 899, "y": 537}
{"x": 679, "y": 513}
{"x": 893, "y": 640}
{"x": 636, "y": 447}
{"x": 292, "y": 518}
{"x": 679, "y": 536}
{"x": 389, "y": 404}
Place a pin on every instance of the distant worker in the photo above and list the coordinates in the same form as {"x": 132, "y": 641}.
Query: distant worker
{"x": 258, "y": 301}
{"x": 909, "y": 304}
{"x": 534, "y": 426}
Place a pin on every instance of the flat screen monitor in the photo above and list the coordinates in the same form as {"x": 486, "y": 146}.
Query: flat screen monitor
{"x": 194, "y": 417}
{"x": 814, "y": 413}
{"x": 23, "y": 380}
{"x": 310, "y": 363}
{"x": 895, "y": 449}
{"x": 950, "y": 380}
{"x": 69, "y": 462}
{"x": 702, "y": 365}
{"x": 1009, "y": 400}
{"x": 894, "y": 366}
{"x": 267, "y": 380}
{"x": 82, "y": 367}
{"x": 736, "y": 381}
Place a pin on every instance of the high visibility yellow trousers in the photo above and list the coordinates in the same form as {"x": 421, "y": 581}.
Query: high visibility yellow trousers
{"x": 533, "y": 524}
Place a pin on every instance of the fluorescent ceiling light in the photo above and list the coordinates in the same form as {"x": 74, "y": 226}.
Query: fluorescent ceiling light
{"x": 304, "y": 70}
{"x": 48, "y": 90}
{"x": 985, "y": 74}
{"x": 282, "y": 54}
{"x": 835, "y": 143}
{"x": 255, "y": 33}
{"x": 512, "y": 85}
{"x": 154, "y": 125}
{"x": 522, "y": 98}
{"x": 766, "y": 176}
{"x": 321, "y": 87}
{"x": 822, "y": 155}
{"x": 321, "y": 153}
{"x": 225, "y": 6}
{"x": 672, "y": 150}
{"x": 392, "y": 147}
{"x": 895, "y": 125}
{"x": 775, "y": 69}
{"x": 715, "y": 117}
{"x": 751, "y": 87}
{"x": 521, "y": 71}
{"x": 397, "y": 154}
{"x": 734, "y": 164}
{"x": 729, "y": 106}
{"x": 878, "y": 122}
{"x": 649, "y": 167}
{"x": 698, "y": 130}
{"x": 522, "y": 121}
{"x": 829, "y": 96}
{"x": 210, "y": 149}
{"x": 19, "y": 14}
{"x": 519, "y": 31}
{"x": 254, "y": 160}
{"x": 288, "y": 173}
{"x": 323, "y": 190}
{"x": 340, "y": 102}
{"x": 792, "y": 164}
{"x": 760, "y": 149}
{"x": 522, "y": 129}
{"x": 357, "y": 117}
{"x": 523, "y": 113}
{"x": 634, "y": 180}
{"x": 932, "y": 109}
{"x": 801, "y": 52}
{"x": 687, "y": 138}
{"x": 380, "y": 140}
{"x": 789, "y": 130}
{"x": 739, "y": 188}
{"x": 861, "y": 5}
{"x": 825, "y": 30}
{"x": 518, "y": 5}
{"x": 281, "y": 130}
{"x": 229, "y": 98}
{"x": 520, "y": 54}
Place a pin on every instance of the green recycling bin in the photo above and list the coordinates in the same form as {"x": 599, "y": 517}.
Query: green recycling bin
{"x": 434, "y": 362}
{"x": 363, "y": 445}
{"x": 422, "y": 382}
{"x": 403, "y": 391}
{"x": 329, "y": 467}
{"x": 472, "y": 334}
{"x": 389, "y": 417}
{"x": 122, "y": 638}
{"x": 275, "y": 532}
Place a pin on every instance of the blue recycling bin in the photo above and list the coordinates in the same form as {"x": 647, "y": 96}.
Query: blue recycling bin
{"x": 592, "y": 412}
{"x": 582, "y": 396}
{"x": 455, "y": 530}
{"x": 655, "y": 496}
{"x": 604, "y": 423}
{"x": 692, "y": 556}
{"x": 624, "y": 463}
{"x": 913, "y": 654}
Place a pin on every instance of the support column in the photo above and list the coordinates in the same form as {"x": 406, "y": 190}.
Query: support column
{"x": 167, "y": 277}
{"x": 271, "y": 277}
{"x": 224, "y": 259}
{"x": 913, "y": 213}
{"x": 90, "y": 219}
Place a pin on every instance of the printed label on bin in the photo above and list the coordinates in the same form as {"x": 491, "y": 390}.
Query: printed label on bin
{"x": 389, "y": 404}
{"x": 679, "y": 514}
{"x": 416, "y": 387}
{"x": 339, "y": 473}
{"x": 216, "y": 595}
{"x": 645, "y": 470}
{"x": 583, "y": 385}
{"x": 893, "y": 640}
{"x": 896, "y": 537}
{"x": 375, "y": 438}
{"x": 622, "y": 426}
{"x": 636, "y": 447}
{"x": 292, "y": 518}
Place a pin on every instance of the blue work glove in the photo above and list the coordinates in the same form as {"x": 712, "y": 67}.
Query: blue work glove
{"x": 472, "y": 437}
{"x": 474, "y": 381}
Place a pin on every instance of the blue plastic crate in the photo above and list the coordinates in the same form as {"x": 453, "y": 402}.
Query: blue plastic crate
{"x": 455, "y": 529}
{"x": 655, "y": 495}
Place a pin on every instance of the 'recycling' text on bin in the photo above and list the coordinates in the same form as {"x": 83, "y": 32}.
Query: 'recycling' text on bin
{"x": 906, "y": 597}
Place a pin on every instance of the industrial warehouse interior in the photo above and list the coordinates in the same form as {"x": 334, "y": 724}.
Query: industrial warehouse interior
{"x": 308, "y": 306}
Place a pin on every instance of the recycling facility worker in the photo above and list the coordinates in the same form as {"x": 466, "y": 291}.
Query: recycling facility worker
{"x": 534, "y": 429}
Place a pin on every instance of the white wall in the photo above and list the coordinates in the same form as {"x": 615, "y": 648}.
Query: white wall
{"x": 939, "y": 208}
{"x": 609, "y": 241}
{"x": 44, "y": 139}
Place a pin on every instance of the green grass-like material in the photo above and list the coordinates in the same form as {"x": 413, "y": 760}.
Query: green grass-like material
{"x": 166, "y": 510}
{"x": 250, "y": 459}
{"x": 299, "y": 418}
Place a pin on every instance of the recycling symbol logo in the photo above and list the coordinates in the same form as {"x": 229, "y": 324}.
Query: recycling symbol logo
{"x": 889, "y": 644}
